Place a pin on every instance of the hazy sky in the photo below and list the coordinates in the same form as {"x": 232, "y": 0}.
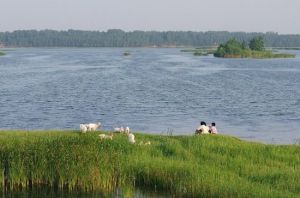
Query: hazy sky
{"x": 281, "y": 16}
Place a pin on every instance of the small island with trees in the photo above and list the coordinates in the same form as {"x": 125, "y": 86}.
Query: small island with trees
{"x": 255, "y": 49}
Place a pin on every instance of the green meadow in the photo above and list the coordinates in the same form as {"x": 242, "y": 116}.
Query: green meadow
{"x": 182, "y": 166}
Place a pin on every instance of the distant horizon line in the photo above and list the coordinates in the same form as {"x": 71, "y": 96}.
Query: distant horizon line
{"x": 128, "y": 31}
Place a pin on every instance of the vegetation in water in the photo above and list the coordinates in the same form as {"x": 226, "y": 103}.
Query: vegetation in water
{"x": 184, "y": 166}
{"x": 283, "y": 48}
{"x": 203, "y": 51}
{"x": 255, "y": 49}
{"x": 188, "y": 50}
{"x": 2, "y": 53}
{"x": 126, "y": 53}
{"x": 200, "y": 53}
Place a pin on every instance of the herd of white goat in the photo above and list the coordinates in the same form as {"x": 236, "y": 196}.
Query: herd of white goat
{"x": 94, "y": 126}
{"x": 89, "y": 127}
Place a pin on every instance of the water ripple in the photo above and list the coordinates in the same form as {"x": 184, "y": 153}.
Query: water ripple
{"x": 153, "y": 90}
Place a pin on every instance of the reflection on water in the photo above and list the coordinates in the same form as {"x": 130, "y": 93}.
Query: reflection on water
{"x": 152, "y": 90}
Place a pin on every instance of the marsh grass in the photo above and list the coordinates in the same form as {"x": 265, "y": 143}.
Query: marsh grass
{"x": 201, "y": 51}
{"x": 259, "y": 55}
{"x": 2, "y": 53}
{"x": 183, "y": 166}
{"x": 126, "y": 53}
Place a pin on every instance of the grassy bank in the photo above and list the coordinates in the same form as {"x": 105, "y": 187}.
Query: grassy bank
{"x": 258, "y": 54}
{"x": 189, "y": 166}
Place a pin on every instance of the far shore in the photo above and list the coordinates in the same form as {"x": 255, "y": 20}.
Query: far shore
{"x": 185, "y": 48}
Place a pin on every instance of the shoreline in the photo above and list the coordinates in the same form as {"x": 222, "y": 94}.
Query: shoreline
{"x": 183, "y": 48}
{"x": 249, "y": 139}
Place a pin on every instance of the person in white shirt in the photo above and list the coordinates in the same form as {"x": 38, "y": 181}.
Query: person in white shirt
{"x": 202, "y": 129}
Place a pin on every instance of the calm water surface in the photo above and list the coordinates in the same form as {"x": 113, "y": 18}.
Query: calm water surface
{"x": 153, "y": 90}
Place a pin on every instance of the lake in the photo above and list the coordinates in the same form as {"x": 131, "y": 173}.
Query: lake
{"x": 152, "y": 90}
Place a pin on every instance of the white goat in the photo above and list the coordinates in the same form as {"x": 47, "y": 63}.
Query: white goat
{"x": 93, "y": 126}
{"x": 131, "y": 138}
{"x": 127, "y": 130}
{"x": 83, "y": 128}
{"x": 144, "y": 143}
{"x": 105, "y": 136}
{"x": 119, "y": 130}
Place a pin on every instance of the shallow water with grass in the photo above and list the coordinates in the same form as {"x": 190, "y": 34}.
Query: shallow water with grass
{"x": 151, "y": 90}
{"x": 72, "y": 164}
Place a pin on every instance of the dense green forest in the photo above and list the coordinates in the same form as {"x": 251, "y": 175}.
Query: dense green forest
{"x": 119, "y": 38}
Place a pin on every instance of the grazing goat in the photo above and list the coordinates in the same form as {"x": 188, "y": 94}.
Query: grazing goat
{"x": 83, "y": 128}
{"x": 131, "y": 138}
{"x": 93, "y": 126}
{"x": 127, "y": 130}
{"x": 104, "y": 136}
{"x": 119, "y": 130}
{"x": 144, "y": 143}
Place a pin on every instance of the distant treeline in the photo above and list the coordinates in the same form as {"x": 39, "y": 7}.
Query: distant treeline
{"x": 119, "y": 38}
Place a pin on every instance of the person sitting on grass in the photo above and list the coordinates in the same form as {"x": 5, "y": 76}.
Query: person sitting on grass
{"x": 213, "y": 128}
{"x": 202, "y": 129}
